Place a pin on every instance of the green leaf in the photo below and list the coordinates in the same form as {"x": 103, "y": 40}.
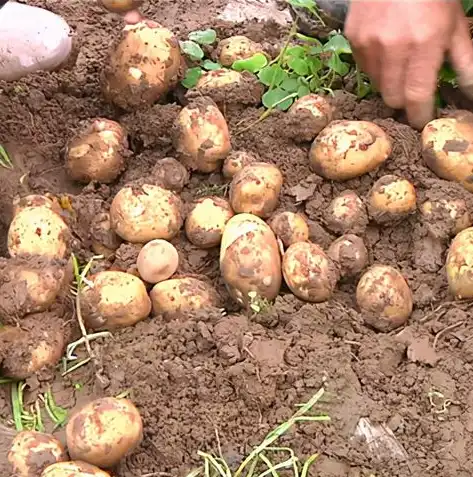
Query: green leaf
{"x": 316, "y": 50}
{"x": 309, "y": 4}
{"x": 192, "y": 50}
{"x": 363, "y": 89}
{"x": 337, "y": 65}
{"x": 298, "y": 51}
{"x": 211, "y": 65}
{"x": 203, "y": 37}
{"x": 272, "y": 75}
{"x": 315, "y": 65}
{"x": 278, "y": 98}
{"x": 192, "y": 77}
{"x": 339, "y": 44}
{"x": 303, "y": 90}
{"x": 309, "y": 39}
{"x": 467, "y": 5}
{"x": 299, "y": 65}
{"x": 314, "y": 84}
{"x": 254, "y": 64}
{"x": 290, "y": 85}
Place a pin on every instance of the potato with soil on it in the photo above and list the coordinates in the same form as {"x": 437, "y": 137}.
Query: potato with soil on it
{"x": 170, "y": 174}
{"x": 349, "y": 252}
{"x": 104, "y": 431}
{"x": 201, "y": 136}
{"x": 384, "y": 298}
{"x": 309, "y": 273}
{"x": 139, "y": 214}
{"x": 157, "y": 261}
{"x": 143, "y": 67}
{"x": 98, "y": 153}
{"x": 35, "y": 200}
{"x": 236, "y": 161}
{"x": 114, "y": 299}
{"x": 206, "y": 221}
{"x": 250, "y": 259}
{"x": 289, "y": 227}
{"x": 346, "y": 213}
{"x": 236, "y": 48}
{"x": 104, "y": 240}
{"x": 459, "y": 265}
{"x": 255, "y": 189}
{"x": 391, "y": 198}
{"x": 73, "y": 469}
{"x": 31, "y": 452}
{"x": 348, "y": 149}
{"x": 121, "y": 6}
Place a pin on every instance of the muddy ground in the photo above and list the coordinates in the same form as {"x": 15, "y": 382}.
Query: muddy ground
{"x": 234, "y": 377}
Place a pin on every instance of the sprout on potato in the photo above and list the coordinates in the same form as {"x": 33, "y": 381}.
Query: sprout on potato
{"x": 170, "y": 174}
{"x": 98, "y": 153}
{"x": 346, "y": 213}
{"x": 35, "y": 200}
{"x": 349, "y": 253}
{"x": 206, "y": 221}
{"x": 384, "y": 297}
{"x": 235, "y": 48}
{"x": 157, "y": 261}
{"x": 289, "y": 227}
{"x": 255, "y": 189}
{"x": 459, "y": 265}
{"x": 144, "y": 213}
{"x": 104, "y": 240}
{"x": 348, "y": 149}
{"x": 121, "y": 6}
{"x": 73, "y": 469}
{"x": 236, "y": 161}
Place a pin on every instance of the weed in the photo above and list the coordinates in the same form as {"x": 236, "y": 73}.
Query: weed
{"x": 258, "y": 304}
{"x": 5, "y": 160}
{"x": 24, "y": 419}
{"x": 212, "y": 189}
{"x": 56, "y": 413}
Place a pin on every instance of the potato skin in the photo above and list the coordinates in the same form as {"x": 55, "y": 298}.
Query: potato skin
{"x": 309, "y": 273}
{"x": 349, "y": 253}
{"x": 158, "y": 260}
{"x": 74, "y": 469}
{"x": 236, "y": 161}
{"x": 459, "y": 265}
{"x": 35, "y": 200}
{"x": 170, "y": 174}
{"x": 348, "y": 149}
{"x": 289, "y": 227}
{"x": 121, "y": 6}
{"x": 384, "y": 297}
{"x": 31, "y": 452}
{"x": 235, "y": 48}
{"x": 346, "y": 213}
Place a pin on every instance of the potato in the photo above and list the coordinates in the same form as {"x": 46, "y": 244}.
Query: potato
{"x": 143, "y": 67}
{"x": 35, "y": 200}
{"x": 309, "y": 273}
{"x": 391, "y": 198}
{"x": 384, "y": 297}
{"x": 447, "y": 148}
{"x": 172, "y": 298}
{"x": 38, "y": 231}
{"x": 144, "y": 213}
{"x": 104, "y": 240}
{"x": 114, "y": 300}
{"x": 459, "y": 265}
{"x": 201, "y": 136}
{"x": 348, "y": 149}
{"x": 236, "y": 161}
{"x": 206, "y": 221}
{"x": 349, "y": 253}
{"x": 255, "y": 189}
{"x": 104, "y": 431}
{"x": 289, "y": 227}
{"x": 157, "y": 261}
{"x": 31, "y": 452}
{"x": 98, "y": 152}
{"x": 170, "y": 174}
{"x": 74, "y": 469}
{"x": 235, "y": 48}
{"x": 121, "y": 6}
{"x": 250, "y": 260}
{"x": 346, "y": 213}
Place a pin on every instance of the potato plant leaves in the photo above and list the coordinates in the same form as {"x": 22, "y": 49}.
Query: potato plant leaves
{"x": 203, "y": 37}
{"x": 252, "y": 64}
{"x": 192, "y": 77}
{"x": 192, "y": 50}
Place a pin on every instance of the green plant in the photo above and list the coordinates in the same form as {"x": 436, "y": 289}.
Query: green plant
{"x": 24, "y": 419}
{"x": 5, "y": 160}
{"x": 56, "y": 413}
{"x": 258, "y": 304}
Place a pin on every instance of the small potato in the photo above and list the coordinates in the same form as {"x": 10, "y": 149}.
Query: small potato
{"x": 235, "y": 48}
{"x": 255, "y": 189}
{"x": 201, "y": 136}
{"x": 346, "y": 213}
{"x": 98, "y": 153}
{"x": 157, "y": 261}
{"x": 143, "y": 67}
{"x": 104, "y": 240}
{"x": 348, "y": 149}
{"x": 114, "y": 300}
{"x": 459, "y": 265}
{"x": 178, "y": 296}
{"x": 289, "y": 227}
{"x": 34, "y": 200}
{"x": 170, "y": 174}
{"x": 206, "y": 221}
{"x": 350, "y": 254}
{"x": 104, "y": 431}
{"x": 31, "y": 452}
{"x": 250, "y": 260}
{"x": 309, "y": 273}
{"x": 236, "y": 161}
{"x": 74, "y": 469}
{"x": 391, "y": 198}
{"x": 121, "y": 6}
{"x": 144, "y": 213}
{"x": 384, "y": 297}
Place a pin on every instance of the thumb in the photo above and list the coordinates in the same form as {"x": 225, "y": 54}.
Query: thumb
{"x": 461, "y": 56}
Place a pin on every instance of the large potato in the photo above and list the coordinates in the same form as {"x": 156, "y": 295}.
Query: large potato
{"x": 384, "y": 297}
{"x": 346, "y": 213}
{"x": 289, "y": 227}
{"x": 255, "y": 189}
{"x": 250, "y": 260}
{"x": 74, "y": 469}
{"x": 459, "y": 265}
{"x": 114, "y": 299}
{"x": 157, "y": 261}
{"x": 349, "y": 252}
{"x": 144, "y": 66}
{"x": 144, "y": 213}
{"x": 104, "y": 431}
{"x": 348, "y": 149}
{"x": 235, "y": 48}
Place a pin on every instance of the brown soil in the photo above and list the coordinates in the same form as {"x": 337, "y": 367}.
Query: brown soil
{"x": 207, "y": 381}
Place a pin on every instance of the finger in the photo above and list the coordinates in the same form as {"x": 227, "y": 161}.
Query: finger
{"x": 461, "y": 56}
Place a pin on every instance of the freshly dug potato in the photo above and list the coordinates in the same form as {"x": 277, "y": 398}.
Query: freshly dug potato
{"x": 289, "y": 227}
{"x": 172, "y": 298}
{"x": 384, "y": 297}
{"x": 201, "y": 136}
{"x": 250, "y": 260}
{"x": 206, "y": 221}
{"x": 309, "y": 273}
{"x": 144, "y": 213}
{"x": 459, "y": 265}
{"x": 236, "y": 161}
{"x": 170, "y": 174}
{"x": 98, "y": 153}
{"x": 346, "y": 213}
{"x": 104, "y": 431}
{"x": 114, "y": 300}
{"x": 74, "y": 469}
{"x": 350, "y": 254}
{"x": 157, "y": 261}
{"x": 104, "y": 240}
{"x": 38, "y": 231}
{"x": 255, "y": 189}
{"x": 391, "y": 198}
{"x": 121, "y": 6}
{"x": 143, "y": 67}
{"x": 35, "y": 200}
{"x": 235, "y": 48}
{"x": 348, "y": 149}
{"x": 31, "y": 452}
